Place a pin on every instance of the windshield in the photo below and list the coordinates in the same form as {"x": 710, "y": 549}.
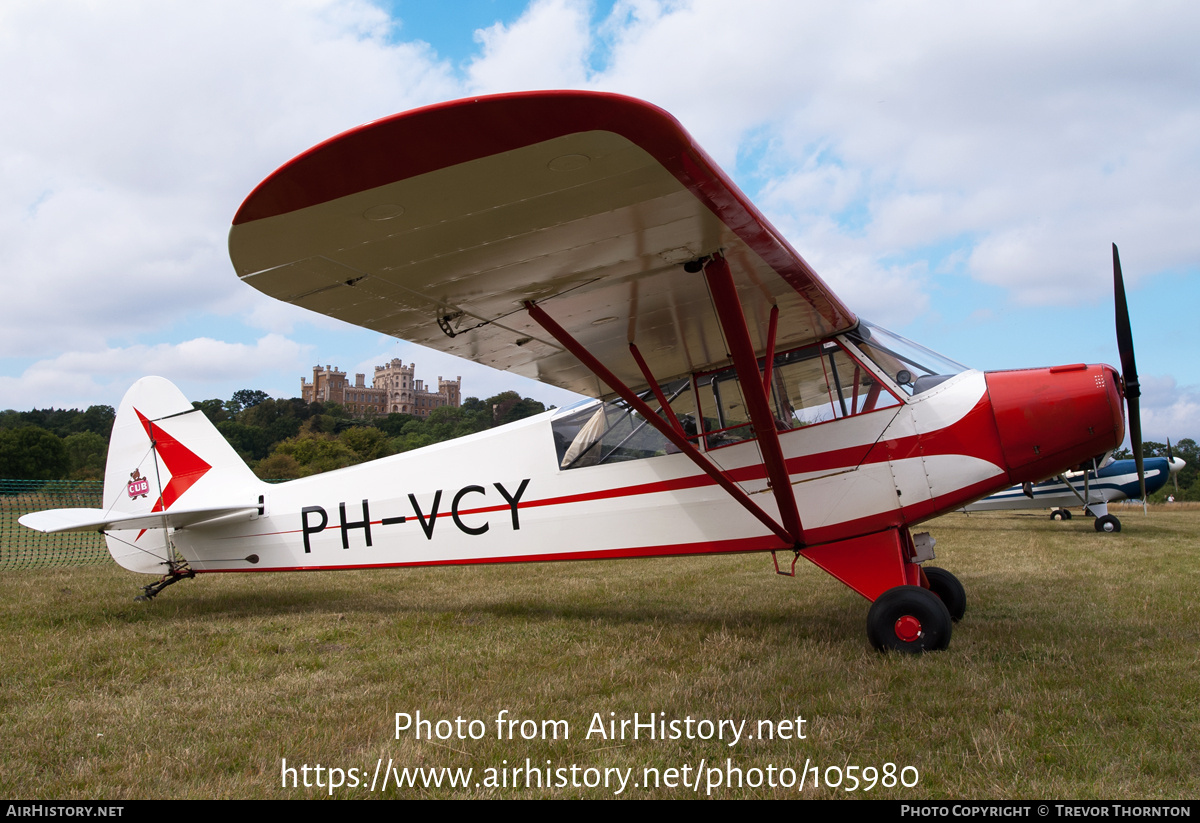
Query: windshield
{"x": 912, "y": 367}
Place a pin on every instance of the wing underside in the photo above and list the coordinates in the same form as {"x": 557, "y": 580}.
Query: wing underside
{"x": 437, "y": 226}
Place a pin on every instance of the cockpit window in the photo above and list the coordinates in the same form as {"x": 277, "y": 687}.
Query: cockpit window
{"x": 614, "y": 432}
{"x": 912, "y": 367}
{"x": 810, "y": 385}
{"x": 814, "y": 384}
{"x": 823, "y": 382}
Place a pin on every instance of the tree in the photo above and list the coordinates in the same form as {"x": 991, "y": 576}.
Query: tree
{"x": 278, "y": 467}
{"x": 213, "y": 409}
{"x": 412, "y": 436}
{"x": 32, "y": 453}
{"x": 474, "y": 404}
{"x": 251, "y": 442}
{"x": 246, "y": 399}
{"x": 86, "y": 453}
{"x": 368, "y": 442}
{"x": 280, "y": 419}
{"x": 316, "y": 453}
{"x": 509, "y": 406}
{"x": 393, "y": 424}
{"x": 99, "y": 420}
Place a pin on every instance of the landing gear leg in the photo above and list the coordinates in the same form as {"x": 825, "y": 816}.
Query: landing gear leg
{"x": 909, "y": 619}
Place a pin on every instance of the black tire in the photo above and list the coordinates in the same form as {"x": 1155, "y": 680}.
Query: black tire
{"x": 1066, "y": 514}
{"x": 1108, "y": 523}
{"x": 1060, "y": 514}
{"x": 946, "y": 586}
{"x": 909, "y": 619}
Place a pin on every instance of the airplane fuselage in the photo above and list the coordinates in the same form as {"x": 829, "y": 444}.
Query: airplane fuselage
{"x": 503, "y": 495}
{"x": 1114, "y": 482}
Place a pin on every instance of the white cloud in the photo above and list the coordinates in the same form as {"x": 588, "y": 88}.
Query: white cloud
{"x": 1168, "y": 410}
{"x": 547, "y": 48}
{"x": 201, "y": 366}
{"x": 141, "y": 128}
{"x": 888, "y": 294}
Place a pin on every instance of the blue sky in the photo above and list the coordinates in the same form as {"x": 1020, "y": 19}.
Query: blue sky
{"x": 955, "y": 170}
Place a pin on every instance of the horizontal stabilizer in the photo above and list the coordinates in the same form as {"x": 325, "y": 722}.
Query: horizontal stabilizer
{"x": 80, "y": 520}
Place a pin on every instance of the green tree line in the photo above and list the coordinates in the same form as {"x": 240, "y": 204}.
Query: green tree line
{"x": 278, "y": 438}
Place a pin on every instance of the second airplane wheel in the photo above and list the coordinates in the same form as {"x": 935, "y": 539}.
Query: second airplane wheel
{"x": 946, "y": 586}
{"x": 909, "y": 619}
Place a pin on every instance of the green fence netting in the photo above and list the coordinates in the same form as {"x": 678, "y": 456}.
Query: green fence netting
{"x": 22, "y": 548}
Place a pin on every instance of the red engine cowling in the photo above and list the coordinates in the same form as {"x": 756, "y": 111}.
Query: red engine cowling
{"x": 1052, "y": 419}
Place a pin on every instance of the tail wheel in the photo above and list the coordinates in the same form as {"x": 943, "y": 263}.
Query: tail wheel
{"x": 949, "y": 590}
{"x": 909, "y": 619}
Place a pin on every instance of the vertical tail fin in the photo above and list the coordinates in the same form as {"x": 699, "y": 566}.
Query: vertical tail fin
{"x": 165, "y": 456}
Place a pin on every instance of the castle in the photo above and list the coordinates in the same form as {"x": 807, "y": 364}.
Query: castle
{"x": 394, "y": 389}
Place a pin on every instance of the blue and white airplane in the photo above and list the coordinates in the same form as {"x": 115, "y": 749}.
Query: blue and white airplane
{"x": 1094, "y": 490}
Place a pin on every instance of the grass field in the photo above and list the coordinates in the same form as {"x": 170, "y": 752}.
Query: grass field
{"x": 1073, "y": 675}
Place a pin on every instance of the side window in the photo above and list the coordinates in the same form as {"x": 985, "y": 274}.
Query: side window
{"x": 723, "y": 409}
{"x": 613, "y": 432}
{"x": 812, "y": 385}
{"x": 822, "y": 382}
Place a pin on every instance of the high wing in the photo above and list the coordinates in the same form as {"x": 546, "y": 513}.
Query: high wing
{"x": 441, "y": 224}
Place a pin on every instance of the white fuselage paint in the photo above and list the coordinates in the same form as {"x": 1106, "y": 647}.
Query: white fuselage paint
{"x": 500, "y": 495}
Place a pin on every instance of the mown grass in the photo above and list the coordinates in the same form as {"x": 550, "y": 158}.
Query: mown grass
{"x": 1073, "y": 675}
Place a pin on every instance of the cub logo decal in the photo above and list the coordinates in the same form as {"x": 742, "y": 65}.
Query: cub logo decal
{"x": 137, "y": 486}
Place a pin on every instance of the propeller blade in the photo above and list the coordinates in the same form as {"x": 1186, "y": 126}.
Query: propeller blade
{"x": 1170, "y": 463}
{"x": 1133, "y": 389}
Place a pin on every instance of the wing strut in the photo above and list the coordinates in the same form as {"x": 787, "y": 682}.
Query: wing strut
{"x": 769, "y": 360}
{"x": 733, "y": 322}
{"x": 662, "y": 400}
{"x": 666, "y": 429}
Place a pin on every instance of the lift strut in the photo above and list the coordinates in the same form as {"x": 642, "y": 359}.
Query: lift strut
{"x": 673, "y": 435}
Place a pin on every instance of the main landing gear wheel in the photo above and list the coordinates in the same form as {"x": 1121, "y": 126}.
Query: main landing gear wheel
{"x": 909, "y": 619}
{"x": 949, "y": 590}
{"x": 1060, "y": 514}
{"x": 1108, "y": 523}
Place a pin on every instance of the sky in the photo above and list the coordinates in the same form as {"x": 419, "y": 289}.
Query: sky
{"x": 955, "y": 171}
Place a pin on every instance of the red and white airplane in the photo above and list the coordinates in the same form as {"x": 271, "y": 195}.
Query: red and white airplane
{"x": 583, "y": 239}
